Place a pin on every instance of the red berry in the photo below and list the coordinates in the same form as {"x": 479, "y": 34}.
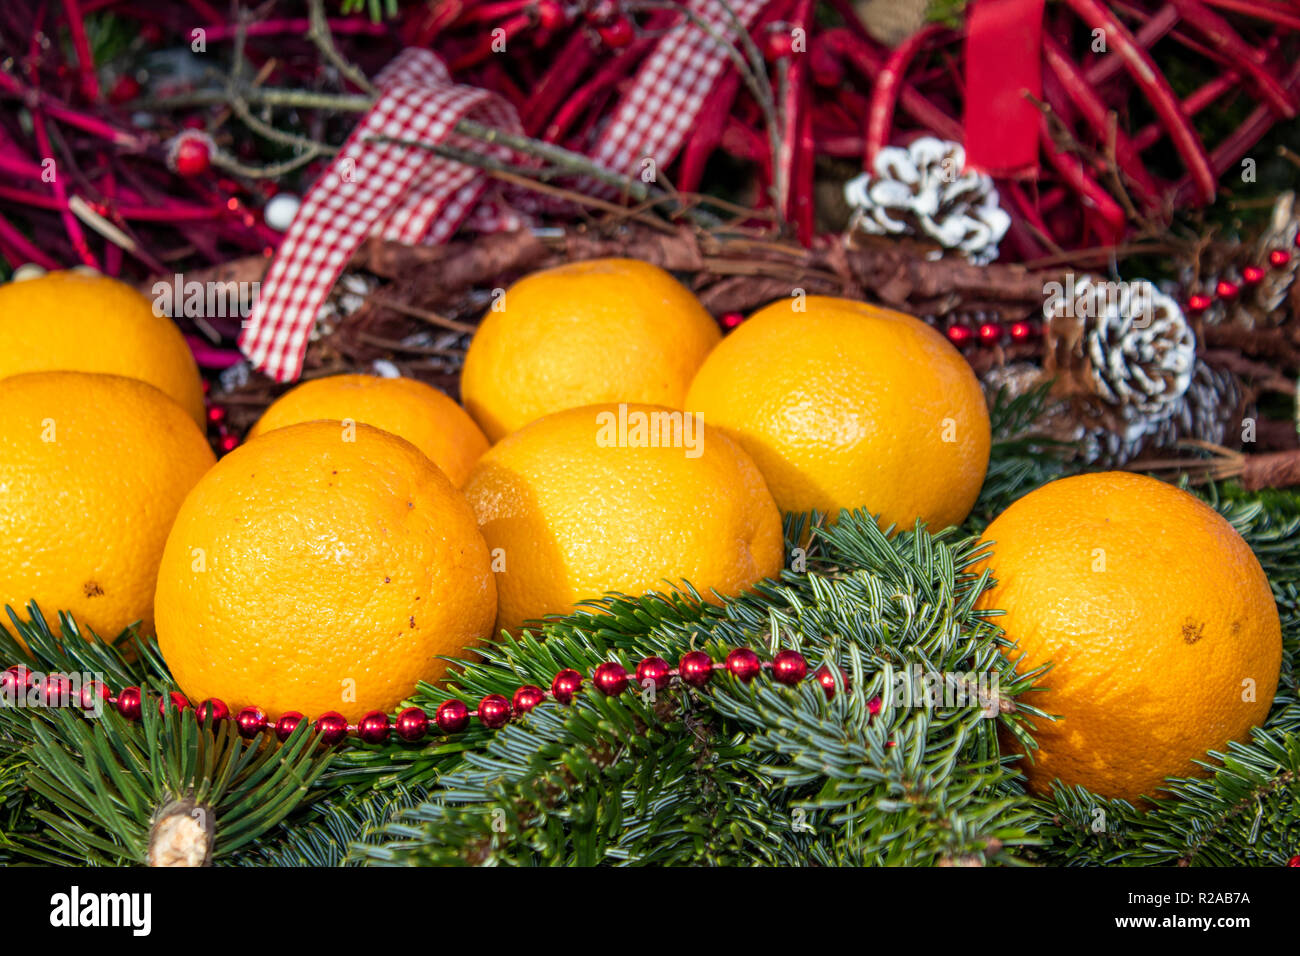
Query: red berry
{"x": 1252, "y": 274}
{"x": 789, "y": 667}
{"x": 566, "y": 683}
{"x": 452, "y": 716}
{"x": 732, "y": 319}
{"x": 126, "y": 88}
{"x": 550, "y": 14}
{"x": 191, "y": 153}
{"x": 1278, "y": 258}
{"x": 654, "y": 669}
{"x": 617, "y": 33}
{"x": 373, "y": 727}
{"x": 1020, "y": 331}
{"x": 610, "y": 678}
{"x": 826, "y": 677}
{"x": 744, "y": 664}
{"x": 695, "y": 668}
{"x": 990, "y": 333}
{"x": 412, "y": 724}
{"x": 216, "y": 414}
{"x": 217, "y": 708}
{"x": 1226, "y": 289}
{"x": 332, "y": 727}
{"x": 960, "y": 334}
{"x": 1294, "y": 861}
{"x": 287, "y": 724}
{"x": 129, "y": 703}
{"x": 526, "y": 698}
{"x": 250, "y": 722}
{"x": 494, "y": 711}
{"x": 1198, "y": 303}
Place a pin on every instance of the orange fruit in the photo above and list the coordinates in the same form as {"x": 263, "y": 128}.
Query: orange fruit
{"x": 1157, "y": 617}
{"x": 573, "y": 508}
{"x": 91, "y": 323}
{"x": 313, "y": 573}
{"x": 846, "y": 405}
{"x": 420, "y": 413}
{"x": 92, "y": 471}
{"x": 605, "y": 330}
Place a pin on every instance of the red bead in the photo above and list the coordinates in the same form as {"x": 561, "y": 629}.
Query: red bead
{"x": 1198, "y": 303}
{"x": 332, "y": 727}
{"x": 452, "y": 716}
{"x": 874, "y": 705}
{"x": 250, "y": 722}
{"x": 94, "y": 695}
{"x": 990, "y": 332}
{"x": 1020, "y": 331}
{"x": 56, "y": 690}
{"x": 21, "y": 677}
{"x": 1279, "y": 257}
{"x": 789, "y": 667}
{"x": 190, "y": 154}
{"x": 494, "y": 711}
{"x": 412, "y": 724}
{"x": 1294, "y": 861}
{"x": 826, "y": 677}
{"x": 610, "y": 678}
{"x": 526, "y": 698}
{"x": 959, "y": 334}
{"x": 778, "y": 44}
{"x": 617, "y": 33}
{"x": 695, "y": 668}
{"x": 217, "y": 708}
{"x": 732, "y": 319}
{"x": 216, "y": 414}
{"x": 229, "y": 443}
{"x": 178, "y": 701}
{"x": 654, "y": 669}
{"x": 373, "y": 727}
{"x": 566, "y": 683}
{"x": 1296, "y": 241}
{"x": 287, "y": 724}
{"x": 744, "y": 664}
{"x": 128, "y": 703}
{"x": 1226, "y": 289}
{"x": 550, "y": 14}
{"x": 1252, "y": 274}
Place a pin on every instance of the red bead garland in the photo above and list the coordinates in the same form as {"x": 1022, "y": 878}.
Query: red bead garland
{"x": 494, "y": 711}
{"x": 1227, "y": 290}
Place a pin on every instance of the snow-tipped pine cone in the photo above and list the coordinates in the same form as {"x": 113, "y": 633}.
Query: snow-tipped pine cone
{"x": 925, "y": 191}
{"x": 1137, "y": 344}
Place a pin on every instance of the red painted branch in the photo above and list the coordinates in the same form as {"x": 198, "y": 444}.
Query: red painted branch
{"x": 1166, "y": 105}
{"x": 880, "y": 116}
{"x": 1223, "y": 38}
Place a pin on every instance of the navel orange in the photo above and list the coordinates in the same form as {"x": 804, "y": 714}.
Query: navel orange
{"x": 90, "y": 323}
{"x": 92, "y": 471}
{"x": 605, "y": 330}
{"x": 420, "y": 413}
{"x": 627, "y": 498}
{"x": 314, "y": 573}
{"x": 846, "y": 405}
{"x": 1157, "y": 617}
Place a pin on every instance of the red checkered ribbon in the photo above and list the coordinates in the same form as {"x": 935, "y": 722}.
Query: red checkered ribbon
{"x": 664, "y": 102}
{"x": 399, "y": 192}
{"x": 411, "y": 195}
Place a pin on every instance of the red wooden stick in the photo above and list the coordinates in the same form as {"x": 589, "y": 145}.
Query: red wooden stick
{"x": 881, "y": 114}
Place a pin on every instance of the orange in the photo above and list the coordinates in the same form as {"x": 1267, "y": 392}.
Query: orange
{"x": 92, "y": 471}
{"x": 91, "y": 323}
{"x": 310, "y": 572}
{"x": 1158, "y": 620}
{"x": 605, "y": 330}
{"x": 420, "y": 413}
{"x": 846, "y": 405}
{"x": 576, "y": 504}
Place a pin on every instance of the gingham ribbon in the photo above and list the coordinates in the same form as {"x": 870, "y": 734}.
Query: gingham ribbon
{"x": 664, "y": 102}
{"x": 411, "y": 195}
{"x": 402, "y": 193}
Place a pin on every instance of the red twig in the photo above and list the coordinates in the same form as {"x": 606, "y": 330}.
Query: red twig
{"x": 880, "y": 116}
{"x": 1223, "y": 38}
{"x": 1275, "y": 13}
{"x": 1152, "y": 81}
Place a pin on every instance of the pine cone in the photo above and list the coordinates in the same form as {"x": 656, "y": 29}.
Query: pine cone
{"x": 1137, "y": 349}
{"x": 1210, "y": 410}
{"x": 923, "y": 192}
